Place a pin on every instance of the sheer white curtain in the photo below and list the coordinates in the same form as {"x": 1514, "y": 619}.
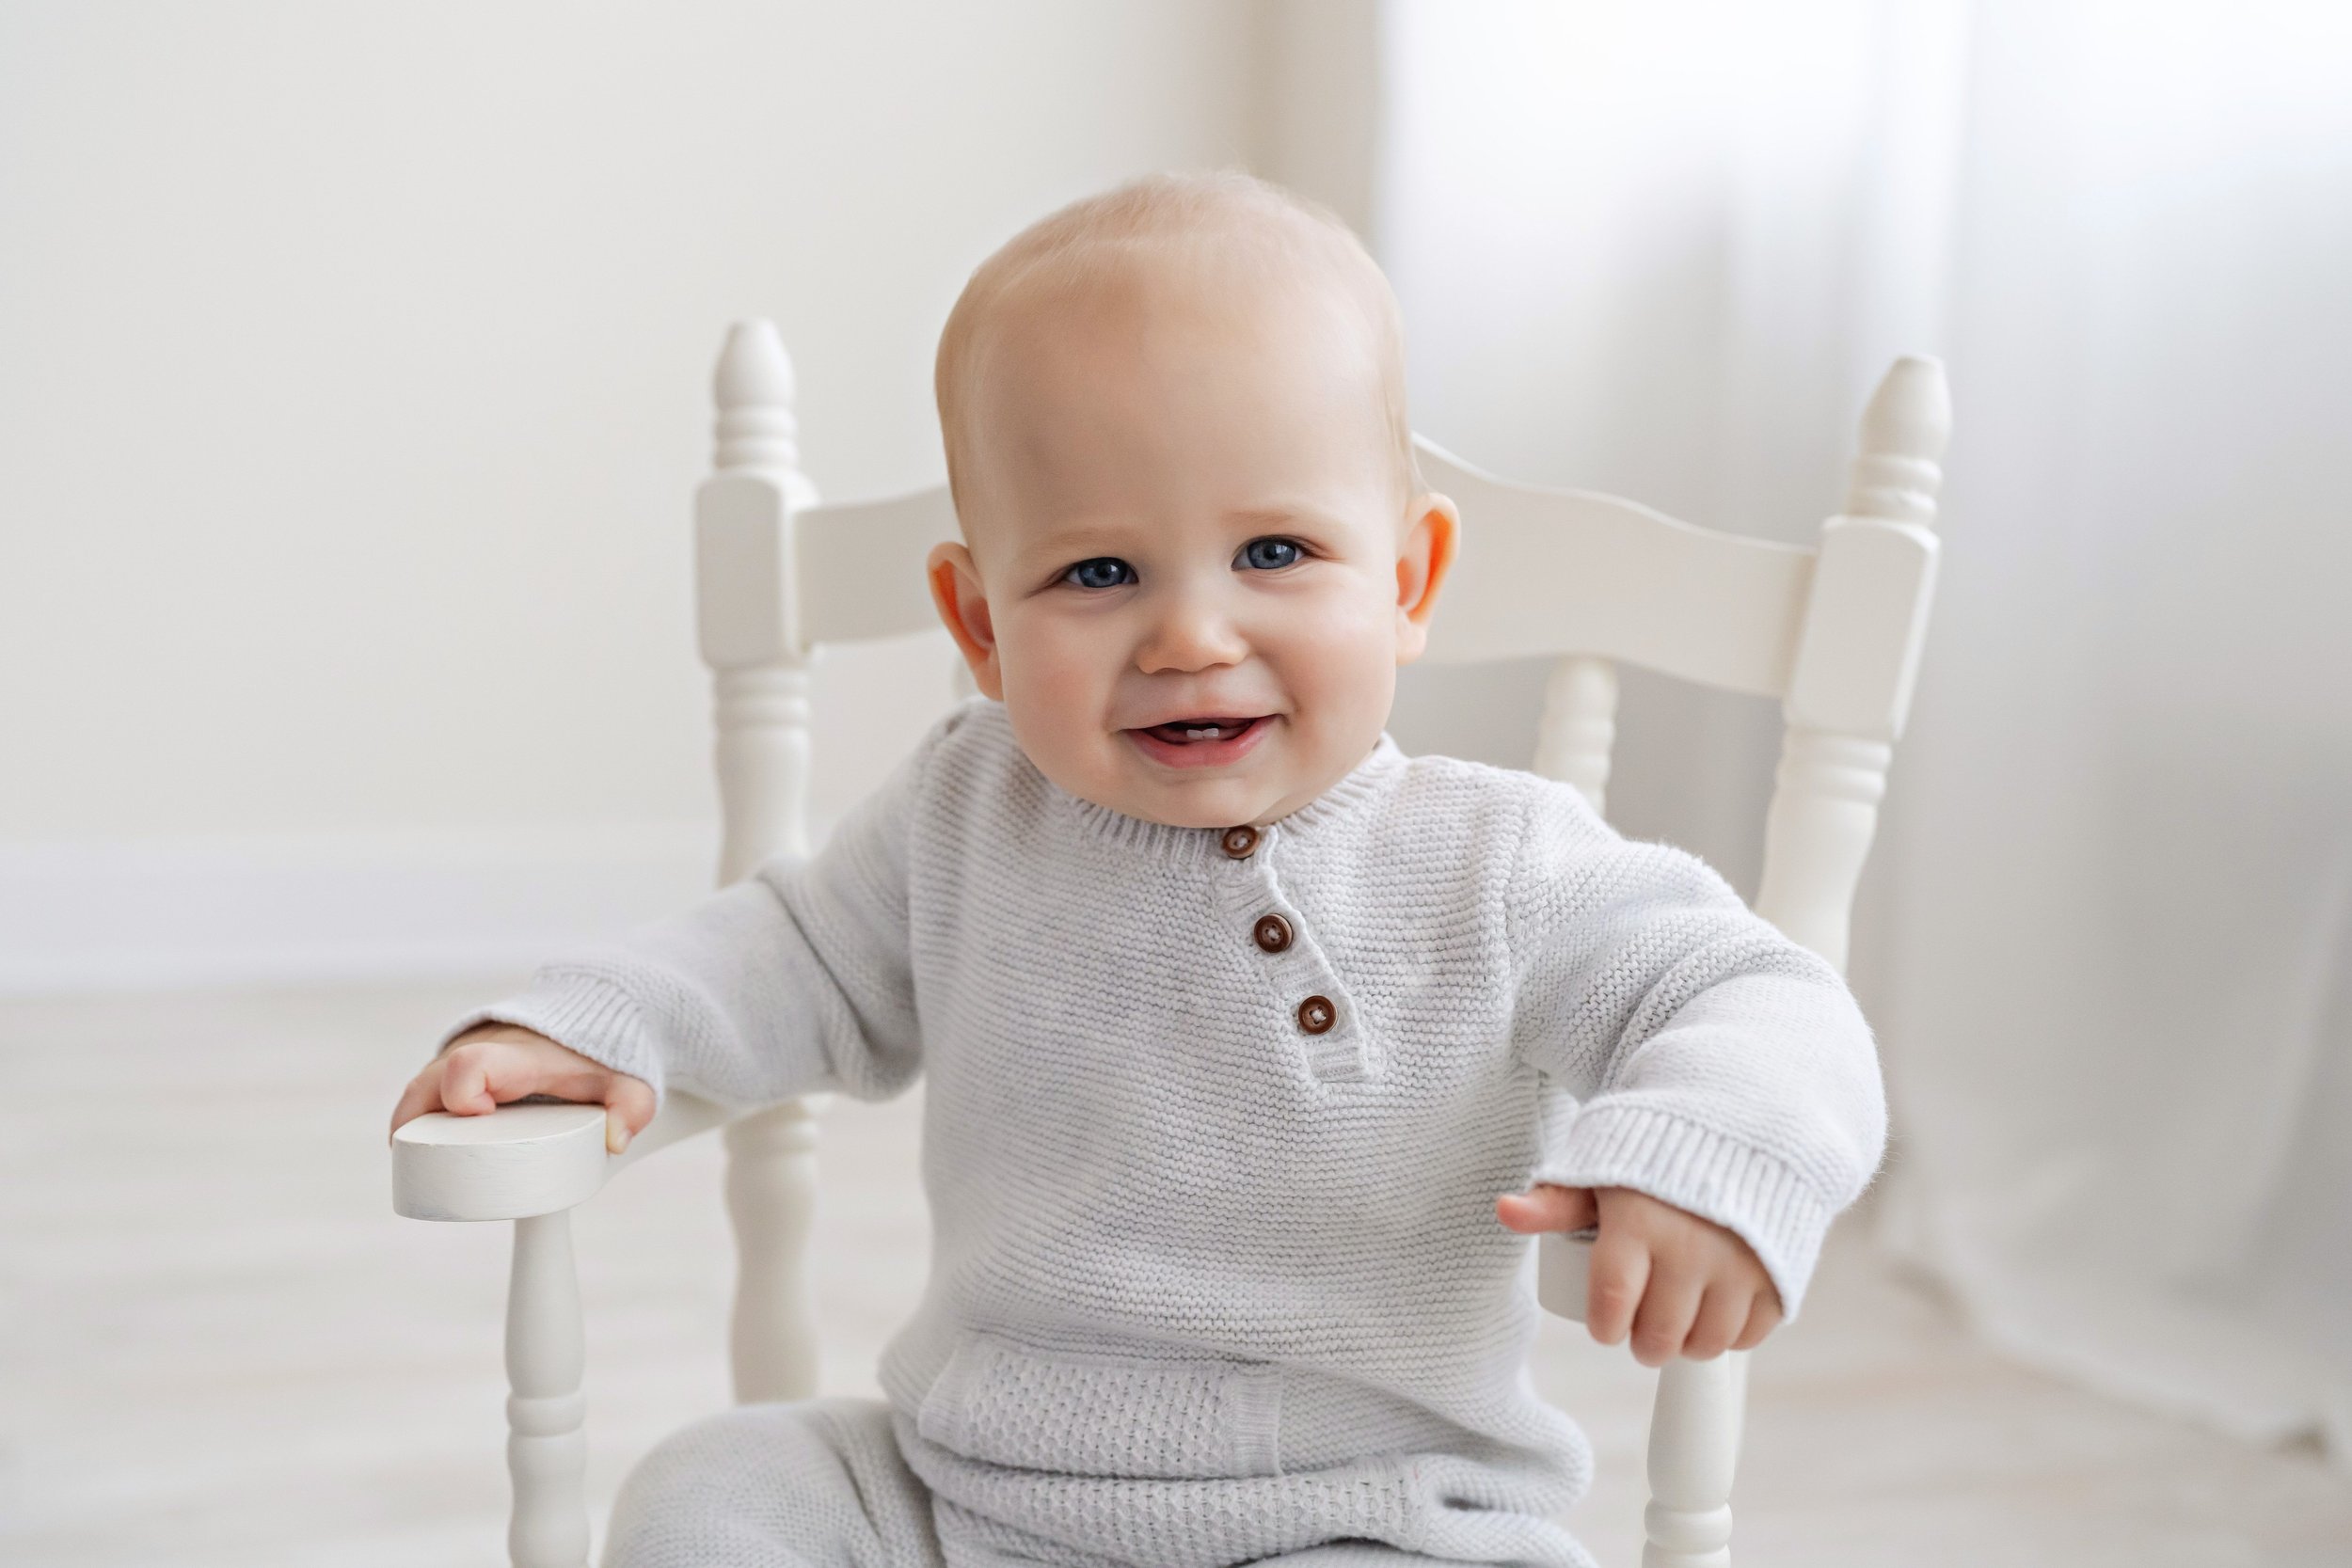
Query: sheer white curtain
{"x": 1664, "y": 249}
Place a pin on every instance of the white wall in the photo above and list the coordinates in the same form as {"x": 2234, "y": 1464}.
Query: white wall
{"x": 353, "y": 391}
{"x": 1658, "y": 250}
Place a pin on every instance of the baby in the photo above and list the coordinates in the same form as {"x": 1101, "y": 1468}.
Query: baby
{"x": 1235, "y": 1019}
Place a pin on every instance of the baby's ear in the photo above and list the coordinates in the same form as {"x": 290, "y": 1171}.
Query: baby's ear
{"x": 1422, "y": 564}
{"x": 964, "y": 610}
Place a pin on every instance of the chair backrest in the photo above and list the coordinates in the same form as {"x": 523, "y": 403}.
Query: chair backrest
{"x": 1833, "y": 629}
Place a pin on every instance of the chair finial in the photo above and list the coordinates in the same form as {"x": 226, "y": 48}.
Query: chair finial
{"x": 1898, "y": 471}
{"x": 754, "y": 368}
{"x": 754, "y": 387}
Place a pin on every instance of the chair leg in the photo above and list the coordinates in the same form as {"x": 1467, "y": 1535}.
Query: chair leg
{"x": 546, "y": 1449}
{"x": 1694, "y": 1447}
{"x": 772, "y": 1201}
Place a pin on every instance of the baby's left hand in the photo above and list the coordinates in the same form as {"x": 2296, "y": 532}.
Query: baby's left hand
{"x": 1684, "y": 1286}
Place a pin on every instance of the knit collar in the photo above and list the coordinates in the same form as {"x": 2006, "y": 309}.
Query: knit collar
{"x": 1364, "y": 784}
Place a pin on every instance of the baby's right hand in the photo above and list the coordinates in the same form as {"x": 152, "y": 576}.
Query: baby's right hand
{"x": 493, "y": 1063}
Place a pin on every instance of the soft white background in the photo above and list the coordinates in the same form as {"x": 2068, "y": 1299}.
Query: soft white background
{"x": 354, "y": 392}
{"x": 1666, "y": 249}
{"x": 353, "y": 388}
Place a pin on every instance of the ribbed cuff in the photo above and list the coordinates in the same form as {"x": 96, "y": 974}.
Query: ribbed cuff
{"x": 583, "y": 1012}
{"x": 1740, "y": 1187}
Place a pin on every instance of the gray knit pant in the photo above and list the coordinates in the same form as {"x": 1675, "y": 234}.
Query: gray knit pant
{"x": 813, "y": 1484}
{"x": 818, "y": 1485}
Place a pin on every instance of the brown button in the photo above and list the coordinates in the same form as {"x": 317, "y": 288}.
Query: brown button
{"x": 1273, "y": 933}
{"x": 1240, "y": 843}
{"x": 1316, "y": 1015}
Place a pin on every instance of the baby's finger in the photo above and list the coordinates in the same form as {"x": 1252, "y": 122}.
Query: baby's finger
{"x": 1762, "y": 1318}
{"x": 422, "y": 1094}
{"x": 1723, "y": 1313}
{"x": 627, "y": 1107}
{"x": 465, "y": 1078}
{"x": 1620, "y": 1274}
{"x": 1546, "y": 1208}
{"x": 1668, "y": 1306}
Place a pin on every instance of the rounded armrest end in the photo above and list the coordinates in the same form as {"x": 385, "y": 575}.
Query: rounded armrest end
{"x": 514, "y": 1163}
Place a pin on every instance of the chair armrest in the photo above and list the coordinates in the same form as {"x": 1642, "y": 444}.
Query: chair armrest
{"x": 1563, "y": 1273}
{"x": 1694, "y": 1427}
{"x": 523, "y": 1159}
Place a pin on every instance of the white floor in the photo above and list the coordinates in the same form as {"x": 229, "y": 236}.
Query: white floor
{"x": 220, "y": 1346}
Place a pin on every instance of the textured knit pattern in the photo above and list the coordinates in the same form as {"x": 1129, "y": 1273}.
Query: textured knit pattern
{"x": 1207, "y": 1287}
{"x": 821, "y": 1484}
{"x": 818, "y": 1485}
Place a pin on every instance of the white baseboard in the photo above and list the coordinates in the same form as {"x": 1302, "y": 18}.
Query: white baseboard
{"x": 245, "y": 912}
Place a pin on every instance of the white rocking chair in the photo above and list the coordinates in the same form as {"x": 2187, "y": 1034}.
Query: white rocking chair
{"x": 1834, "y": 631}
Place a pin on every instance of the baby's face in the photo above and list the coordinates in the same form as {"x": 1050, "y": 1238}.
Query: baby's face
{"x": 1191, "y": 572}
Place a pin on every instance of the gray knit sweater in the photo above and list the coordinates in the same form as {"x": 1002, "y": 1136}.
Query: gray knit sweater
{"x": 1215, "y": 1123}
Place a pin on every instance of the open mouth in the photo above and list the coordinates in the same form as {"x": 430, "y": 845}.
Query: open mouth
{"x": 1204, "y": 741}
{"x": 1193, "y": 732}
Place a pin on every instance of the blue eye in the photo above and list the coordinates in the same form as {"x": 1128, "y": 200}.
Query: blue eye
{"x": 1270, "y": 555}
{"x": 1104, "y": 571}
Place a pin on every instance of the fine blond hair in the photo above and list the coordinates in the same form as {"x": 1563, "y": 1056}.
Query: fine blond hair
{"x": 1242, "y": 221}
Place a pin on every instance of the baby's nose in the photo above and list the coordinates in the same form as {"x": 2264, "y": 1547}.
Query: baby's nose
{"x": 1191, "y": 632}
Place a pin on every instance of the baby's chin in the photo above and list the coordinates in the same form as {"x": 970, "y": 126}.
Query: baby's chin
{"x": 1209, "y": 815}
{"x": 1213, "y": 800}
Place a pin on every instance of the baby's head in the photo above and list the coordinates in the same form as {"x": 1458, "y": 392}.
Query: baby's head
{"x": 1196, "y": 546}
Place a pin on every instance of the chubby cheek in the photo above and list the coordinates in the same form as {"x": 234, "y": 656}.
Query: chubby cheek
{"x": 1336, "y": 656}
{"x": 1051, "y": 662}
{"x": 1058, "y": 678}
